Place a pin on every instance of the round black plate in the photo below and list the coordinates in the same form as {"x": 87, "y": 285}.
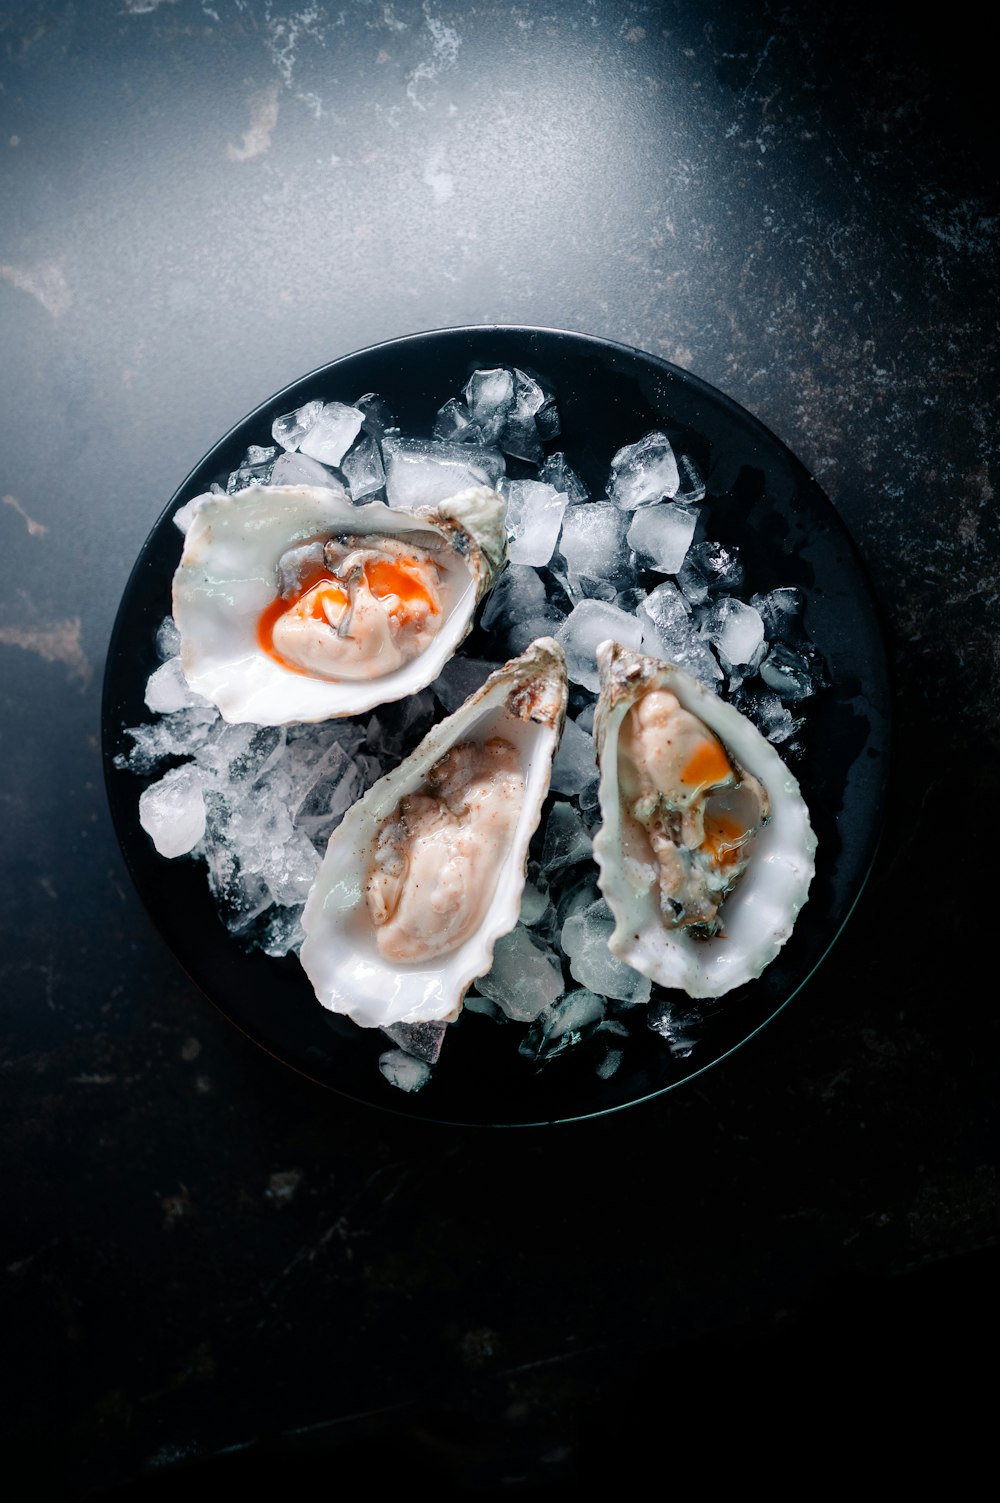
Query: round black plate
{"x": 762, "y": 500}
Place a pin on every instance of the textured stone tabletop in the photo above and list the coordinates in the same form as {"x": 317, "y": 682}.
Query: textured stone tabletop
{"x": 212, "y": 1267}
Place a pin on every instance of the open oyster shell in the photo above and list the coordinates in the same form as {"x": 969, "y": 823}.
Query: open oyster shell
{"x": 426, "y": 872}
{"x": 694, "y": 908}
{"x": 290, "y": 605}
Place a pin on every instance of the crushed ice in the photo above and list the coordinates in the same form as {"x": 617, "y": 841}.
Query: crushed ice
{"x": 258, "y": 805}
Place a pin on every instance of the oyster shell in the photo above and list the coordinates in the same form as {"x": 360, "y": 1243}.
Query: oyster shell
{"x": 705, "y": 851}
{"x": 425, "y": 873}
{"x": 293, "y": 604}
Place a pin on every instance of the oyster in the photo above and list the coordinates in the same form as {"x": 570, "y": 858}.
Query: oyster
{"x": 705, "y": 851}
{"x": 425, "y": 873}
{"x": 293, "y": 604}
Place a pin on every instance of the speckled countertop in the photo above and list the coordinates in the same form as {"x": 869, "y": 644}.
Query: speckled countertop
{"x": 202, "y": 1251}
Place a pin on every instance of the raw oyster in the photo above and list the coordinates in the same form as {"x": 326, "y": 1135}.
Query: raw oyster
{"x": 705, "y": 851}
{"x": 425, "y": 873}
{"x": 293, "y": 604}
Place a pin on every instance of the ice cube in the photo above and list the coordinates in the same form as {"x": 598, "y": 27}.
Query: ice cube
{"x": 609, "y": 1062}
{"x": 453, "y": 423}
{"x": 575, "y": 764}
{"x": 490, "y": 398}
{"x": 710, "y": 566}
{"x": 172, "y": 810}
{"x": 299, "y": 469}
{"x": 661, "y": 534}
{"x": 167, "y": 690}
{"x": 281, "y": 932}
{"x": 459, "y": 678}
{"x": 362, "y": 469}
{"x": 404, "y": 1071}
{"x": 772, "y": 718}
{"x": 670, "y": 633}
{"x": 556, "y": 472}
{"x": 567, "y": 840}
{"x": 644, "y": 472}
{"x": 585, "y": 938}
{"x": 168, "y": 639}
{"x": 588, "y": 624}
{"x": 692, "y": 487}
{"x": 594, "y": 542}
{"x": 289, "y": 429}
{"x": 534, "y": 905}
{"x": 419, "y": 472}
{"x": 518, "y": 593}
{"x": 735, "y": 629}
{"x": 376, "y": 415}
{"x": 332, "y": 433}
{"x": 525, "y": 977}
{"x": 780, "y": 611}
{"x": 534, "y": 517}
{"x": 563, "y": 1024}
{"x": 787, "y": 672}
{"x": 256, "y": 469}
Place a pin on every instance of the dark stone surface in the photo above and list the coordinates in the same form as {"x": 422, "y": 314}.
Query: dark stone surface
{"x": 201, "y": 1251}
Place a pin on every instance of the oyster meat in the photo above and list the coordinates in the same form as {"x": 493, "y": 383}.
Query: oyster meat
{"x": 293, "y": 604}
{"x": 426, "y": 872}
{"x": 705, "y": 851}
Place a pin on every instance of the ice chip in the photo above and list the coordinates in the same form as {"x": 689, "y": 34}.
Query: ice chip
{"x": 167, "y": 690}
{"x": 575, "y": 764}
{"x": 453, "y": 423}
{"x": 534, "y": 905}
{"x": 585, "y": 938}
{"x": 332, "y": 434}
{"x": 518, "y": 593}
{"x": 534, "y": 517}
{"x": 567, "y": 840}
{"x": 376, "y": 415}
{"x": 594, "y": 542}
{"x": 661, "y": 535}
{"x": 735, "y": 629}
{"x": 419, "y": 472}
{"x": 299, "y": 469}
{"x": 709, "y": 567}
{"x": 172, "y": 810}
{"x": 168, "y": 639}
{"x": 556, "y": 472}
{"x": 781, "y": 612}
{"x": 609, "y": 1063}
{"x": 588, "y": 624}
{"x": 669, "y": 633}
{"x": 692, "y": 487}
{"x": 525, "y": 976}
{"x": 644, "y": 472}
{"x": 459, "y": 678}
{"x": 362, "y": 469}
{"x": 563, "y": 1024}
{"x": 787, "y": 672}
{"x": 403, "y": 1070}
{"x": 490, "y": 397}
{"x": 289, "y": 429}
{"x": 256, "y": 469}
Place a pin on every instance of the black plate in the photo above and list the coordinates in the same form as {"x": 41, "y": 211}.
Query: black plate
{"x": 788, "y": 532}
